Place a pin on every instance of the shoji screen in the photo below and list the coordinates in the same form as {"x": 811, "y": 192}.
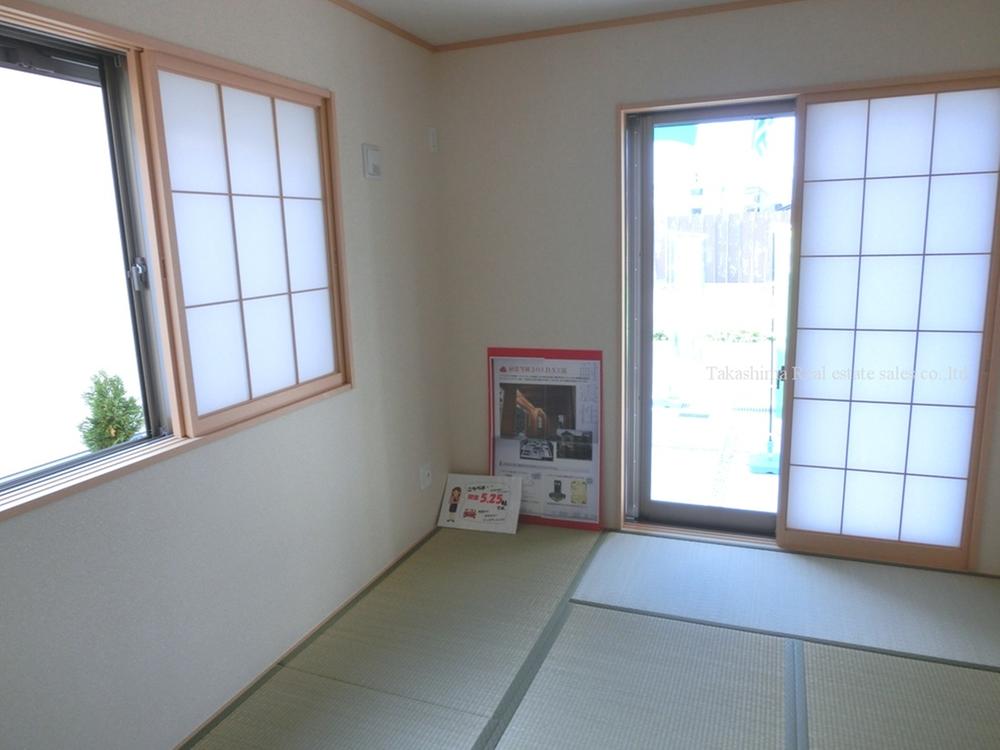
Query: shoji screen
{"x": 899, "y": 197}
{"x": 251, "y": 237}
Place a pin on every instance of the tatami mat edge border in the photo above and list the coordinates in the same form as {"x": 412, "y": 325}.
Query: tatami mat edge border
{"x": 533, "y": 661}
{"x": 792, "y": 636}
{"x": 796, "y": 719}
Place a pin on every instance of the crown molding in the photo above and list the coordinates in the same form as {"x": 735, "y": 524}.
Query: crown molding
{"x": 665, "y": 15}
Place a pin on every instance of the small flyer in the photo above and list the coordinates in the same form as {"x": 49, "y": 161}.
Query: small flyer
{"x": 545, "y": 427}
{"x": 481, "y": 503}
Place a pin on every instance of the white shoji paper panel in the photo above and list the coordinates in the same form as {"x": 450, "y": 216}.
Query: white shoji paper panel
{"x": 204, "y": 229}
{"x": 269, "y": 344}
{"x": 872, "y": 504}
{"x": 819, "y": 355}
{"x": 299, "y": 150}
{"x": 253, "y": 160}
{"x": 260, "y": 243}
{"x": 831, "y": 217}
{"x": 193, "y": 133}
{"x": 815, "y": 499}
{"x": 820, "y": 431}
{"x": 218, "y": 360}
{"x": 313, "y": 334}
{"x": 835, "y": 140}
{"x": 878, "y": 437}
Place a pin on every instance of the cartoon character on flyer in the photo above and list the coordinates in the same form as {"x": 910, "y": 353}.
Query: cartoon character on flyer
{"x": 456, "y": 496}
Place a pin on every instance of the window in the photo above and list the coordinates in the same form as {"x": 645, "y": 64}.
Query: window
{"x": 166, "y": 222}
{"x": 248, "y": 227}
{"x": 876, "y": 436}
{"x": 69, "y": 309}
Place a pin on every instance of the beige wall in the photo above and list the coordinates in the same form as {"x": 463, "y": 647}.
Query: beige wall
{"x": 130, "y": 612}
{"x": 528, "y": 143}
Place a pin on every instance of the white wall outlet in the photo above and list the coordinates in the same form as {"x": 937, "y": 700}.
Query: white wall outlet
{"x": 426, "y": 476}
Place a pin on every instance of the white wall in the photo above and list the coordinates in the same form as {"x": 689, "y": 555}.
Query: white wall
{"x": 528, "y": 141}
{"x": 130, "y": 612}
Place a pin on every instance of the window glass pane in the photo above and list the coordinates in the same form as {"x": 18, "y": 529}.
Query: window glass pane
{"x": 835, "y": 140}
{"x": 218, "y": 358}
{"x": 967, "y": 131}
{"x": 261, "y": 245}
{"x": 933, "y": 511}
{"x": 297, "y": 139}
{"x": 872, "y": 504}
{"x": 313, "y": 335}
{"x": 878, "y": 437}
{"x": 193, "y": 132}
{"x": 895, "y": 216}
{"x": 899, "y": 135}
{"x": 716, "y": 323}
{"x": 306, "y": 235}
{"x": 831, "y": 217}
{"x": 64, "y": 300}
{"x": 815, "y": 499}
{"x": 253, "y": 161}
{"x": 961, "y": 213}
{"x": 269, "y": 344}
{"x": 204, "y": 229}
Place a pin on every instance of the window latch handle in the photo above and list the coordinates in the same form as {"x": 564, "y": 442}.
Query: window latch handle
{"x": 138, "y": 273}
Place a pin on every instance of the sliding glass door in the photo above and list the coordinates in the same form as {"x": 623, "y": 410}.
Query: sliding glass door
{"x": 810, "y": 302}
{"x": 717, "y": 201}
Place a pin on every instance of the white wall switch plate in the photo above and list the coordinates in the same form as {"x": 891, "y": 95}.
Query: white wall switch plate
{"x": 426, "y": 476}
{"x": 372, "y": 156}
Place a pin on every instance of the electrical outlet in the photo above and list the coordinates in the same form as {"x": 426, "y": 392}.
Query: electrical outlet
{"x": 426, "y": 476}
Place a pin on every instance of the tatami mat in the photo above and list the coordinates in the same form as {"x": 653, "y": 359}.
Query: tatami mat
{"x": 454, "y": 624}
{"x": 297, "y": 711}
{"x": 944, "y": 616}
{"x": 861, "y": 700}
{"x": 620, "y": 680}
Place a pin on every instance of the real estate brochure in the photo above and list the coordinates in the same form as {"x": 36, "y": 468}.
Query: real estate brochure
{"x": 545, "y": 427}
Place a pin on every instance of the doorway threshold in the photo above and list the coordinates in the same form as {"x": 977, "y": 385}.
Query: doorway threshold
{"x": 734, "y": 538}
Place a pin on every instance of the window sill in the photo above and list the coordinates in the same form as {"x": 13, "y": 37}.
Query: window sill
{"x": 32, "y": 494}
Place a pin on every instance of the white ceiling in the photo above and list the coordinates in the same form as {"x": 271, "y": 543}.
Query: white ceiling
{"x": 448, "y": 21}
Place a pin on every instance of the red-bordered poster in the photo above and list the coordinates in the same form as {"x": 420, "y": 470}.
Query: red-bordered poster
{"x": 545, "y": 427}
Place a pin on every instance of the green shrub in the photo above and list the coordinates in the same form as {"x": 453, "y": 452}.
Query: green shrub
{"x": 114, "y": 415}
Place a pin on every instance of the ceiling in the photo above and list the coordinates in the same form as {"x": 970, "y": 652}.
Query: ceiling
{"x": 445, "y": 22}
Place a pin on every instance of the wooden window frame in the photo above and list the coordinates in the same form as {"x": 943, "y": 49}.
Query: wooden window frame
{"x": 140, "y": 52}
{"x": 195, "y": 424}
{"x": 963, "y": 557}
